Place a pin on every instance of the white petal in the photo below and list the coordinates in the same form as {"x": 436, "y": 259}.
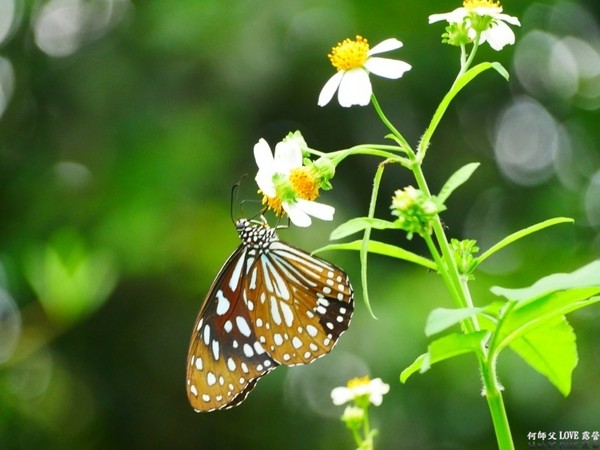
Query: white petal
{"x": 264, "y": 179}
{"x": 263, "y": 155}
{"x": 385, "y": 46}
{"x": 387, "y": 68}
{"x": 330, "y": 87}
{"x": 455, "y": 16}
{"x": 266, "y": 167}
{"x": 355, "y": 88}
{"x": 498, "y": 36}
{"x": 341, "y": 395}
{"x": 296, "y": 215}
{"x": 288, "y": 156}
{"x": 510, "y": 19}
{"x": 316, "y": 209}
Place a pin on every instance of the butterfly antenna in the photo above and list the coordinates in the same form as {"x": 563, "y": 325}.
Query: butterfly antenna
{"x": 234, "y": 196}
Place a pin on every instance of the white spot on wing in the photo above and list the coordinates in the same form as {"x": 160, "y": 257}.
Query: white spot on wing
{"x": 312, "y": 330}
{"x": 258, "y": 348}
{"x": 248, "y": 351}
{"x": 215, "y": 350}
{"x": 296, "y": 342}
{"x": 243, "y": 326}
{"x": 278, "y": 338}
{"x": 288, "y": 315}
{"x": 222, "y": 303}
{"x": 206, "y": 335}
{"x": 210, "y": 378}
{"x": 275, "y": 311}
{"x": 231, "y": 364}
{"x": 237, "y": 272}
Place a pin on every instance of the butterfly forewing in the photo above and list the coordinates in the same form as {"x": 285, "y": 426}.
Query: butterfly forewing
{"x": 225, "y": 358}
{"x": 270, "y": 304}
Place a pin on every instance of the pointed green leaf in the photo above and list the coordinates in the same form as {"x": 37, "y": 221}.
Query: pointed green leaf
{"x": 585, "y": 277}
{"x": 521, "y": 234}
{"x": 358, "y": 224}
{"x": 444, "y": 348}
{"x": 382, "y": 248}
{"x": 501, "y": 70}
{"x": 442, "y": 318}
{"x": 414, "y": 367}
{"x": 528, "y": 316}
{"x": 456, "y": 179}
{"x": 552, "y": 351}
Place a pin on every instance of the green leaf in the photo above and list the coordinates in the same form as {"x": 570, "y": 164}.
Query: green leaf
{"x": 382, "y": 248}
{"x": 501, "y": 70}
{"x": 529, "y": 315}
{"x": 456, "y": 179}
{"x": 358, "y": 224}
{"x": 552, "y": 351}
{"x": 521, "y": 234}
{"x": 444, "y": 348}
{"x": 442, "y": 318}
{"x": 584, "y": 277}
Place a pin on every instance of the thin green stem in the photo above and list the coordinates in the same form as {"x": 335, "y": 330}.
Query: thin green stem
{"x": 357, "y": 437}
{"x": 449, "y": 266}
{"x": 367, "y": 438}
{"x": 441, "y": 266}
{"x": 464, "y": 67}
{"x": 383, "y": 151}
{"x": 403, "y": 143}
{"x": 493, "y": 395}
{"x": 364, "y": 248}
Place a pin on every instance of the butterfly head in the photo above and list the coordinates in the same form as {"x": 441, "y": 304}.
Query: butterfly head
{"x": 255, "y": 234}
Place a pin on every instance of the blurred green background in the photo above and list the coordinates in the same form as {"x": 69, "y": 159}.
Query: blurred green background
{"x": 124, "y": 125}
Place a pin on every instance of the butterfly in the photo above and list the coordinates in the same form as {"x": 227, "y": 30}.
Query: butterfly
{"x": 271, "y": 304}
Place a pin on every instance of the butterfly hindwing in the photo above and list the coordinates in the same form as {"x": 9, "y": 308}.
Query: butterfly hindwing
{"x": 306, "y": 302}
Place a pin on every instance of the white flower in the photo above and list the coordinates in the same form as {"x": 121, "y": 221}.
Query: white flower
{"x": 354, "y": 62}
{"x": 497, "y": 34}
{"x": 358, "y": 387}
{"x": 283, "y": 180}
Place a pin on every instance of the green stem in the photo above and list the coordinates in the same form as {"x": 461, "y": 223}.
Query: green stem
{"x": 357, "y": 437}
{"x": 465, "y": 65}
{"x": 364, "y": 248}
{"x": 460, "y": 292}
{"x": 367, "y": 438}
{"x": 493, "y": 395}
{"x": 449, "y": 266}
{"x": 403, "y": 143}
{"x": 383, "y": 151}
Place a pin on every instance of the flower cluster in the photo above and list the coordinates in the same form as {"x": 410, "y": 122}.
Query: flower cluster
{"x": 415, "y": 210}
{"x": 362, "y": 392}
{"x": 483, "y": 18}
{"x": 464, "y": 252}
{"x": 354, "y": 62}
{"x": 290, "y": 184}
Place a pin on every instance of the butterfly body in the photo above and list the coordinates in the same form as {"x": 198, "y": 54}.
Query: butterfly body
{"x": 271, "y": 304}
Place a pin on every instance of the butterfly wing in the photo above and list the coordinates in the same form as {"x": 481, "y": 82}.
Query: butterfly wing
{"x": 302, "y": 304}
{"x": 225, "y": 358}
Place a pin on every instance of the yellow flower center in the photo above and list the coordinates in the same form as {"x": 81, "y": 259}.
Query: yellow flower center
{"x": 472, "y": 4}
{"x": 272, "y": 203}
{"x": 304, "y": 183}
{"x": 349, "y": 54}
{"x": 359, "y": 381}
